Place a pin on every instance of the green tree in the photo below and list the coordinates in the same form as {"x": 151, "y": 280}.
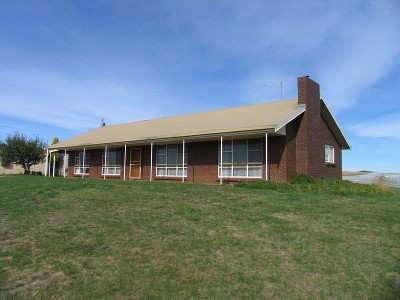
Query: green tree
{"x": 55, "y": 154}
{"x": 20, "y": 150}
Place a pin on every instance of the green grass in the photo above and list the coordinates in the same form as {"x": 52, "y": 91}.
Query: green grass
{"x": 74, "y": 238}
{"x": 310, "y": 184}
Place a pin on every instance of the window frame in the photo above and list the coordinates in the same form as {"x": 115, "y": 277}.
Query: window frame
{"x": 178, "y": 167}
{"x": 231, "y": 166}
{"x": 116, "y": 167}
{"x": 329, "y": 154}
{"x": 79, "y": 158}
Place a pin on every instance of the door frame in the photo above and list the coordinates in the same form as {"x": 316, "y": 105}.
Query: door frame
{"x": 132, "y": 163}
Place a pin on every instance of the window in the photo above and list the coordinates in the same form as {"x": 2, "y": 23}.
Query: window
{"x": 240, "y": 158}
{"x": 170, "y": 161}
{"x": 111, "y": 162}
{"x": 81, "y": 163}
{"x": 329, "y": 154}
{"x": 64, "y": 164}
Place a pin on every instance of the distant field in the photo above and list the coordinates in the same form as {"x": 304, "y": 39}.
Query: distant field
{"x": 82, "y": 238}
{"x": 353, "y": 173}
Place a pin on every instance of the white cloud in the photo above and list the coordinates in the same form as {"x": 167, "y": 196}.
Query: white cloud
{"x": 387, "y": 127}
{"x": 346, "y": 46}
{"x": 76, "y": 103}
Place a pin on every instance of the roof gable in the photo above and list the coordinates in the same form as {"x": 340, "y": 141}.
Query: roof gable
{"x": 334, "y": 126}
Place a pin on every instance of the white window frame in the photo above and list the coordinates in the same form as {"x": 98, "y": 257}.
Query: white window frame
{"x": 329, "y": 154}
{"x": 231, "y": 166}
{"x": 106, "y": 167}
{"x": 78, "y": 167}
{"x": 177, "y": 167}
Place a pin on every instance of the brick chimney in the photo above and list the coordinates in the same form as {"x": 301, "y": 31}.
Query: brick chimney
{"x": 309, "y": 150}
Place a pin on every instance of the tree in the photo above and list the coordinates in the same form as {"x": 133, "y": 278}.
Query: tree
{"x": 22, "y": 151}
{"x": 55, "y": 155}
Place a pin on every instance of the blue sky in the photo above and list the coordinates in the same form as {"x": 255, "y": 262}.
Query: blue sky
{"x": 65, "y": 65}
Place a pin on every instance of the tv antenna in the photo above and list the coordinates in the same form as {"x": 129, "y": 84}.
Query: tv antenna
{"x": 275, "y": 84}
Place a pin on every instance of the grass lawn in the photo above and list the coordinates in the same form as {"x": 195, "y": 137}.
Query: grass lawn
{"x": 74, "y": 238}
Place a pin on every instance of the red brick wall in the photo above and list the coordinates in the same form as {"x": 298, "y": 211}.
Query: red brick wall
{"x": 313, "y": 134}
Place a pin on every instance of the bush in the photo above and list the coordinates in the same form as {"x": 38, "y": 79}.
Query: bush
{"x": 307, "y": 183}
{"x": 303, "y": 178}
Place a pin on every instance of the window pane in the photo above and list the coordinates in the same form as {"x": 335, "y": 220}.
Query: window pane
{"x": 240, "y": 171}
{"x": 180, "y": 172}
{"x": 111, "y": 159}
{"x": 161, "y": 149}
{"x": 329, "y": 154}
{"x": 226, "y": 157}
{"x": 255, "y": 144}
{"x": 180, "y": 148}
{"x": 172, "y": 152}
{"x": 255, "y": 157}
{"x": 227, "y": 146}
{"x": 180, "y": 158}
{"x": 240, "y": 151}
{"x": 161, "y": 159}
{"x": 171, "y": 171}
{"x": 226, "y": 172}
{"x": 255, "y": 171}
{"x": 160, "y": 171}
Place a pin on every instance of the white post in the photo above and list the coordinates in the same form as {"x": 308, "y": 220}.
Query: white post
{"x": 65, "y": 161}
{"x": 183, "y": 160}
{"x": 54, "y": 164}
{"x": 83, "y": 162}
{"x": 151, "y": 161}
{"x": 47, "y": 162}
{"x": 266, "y": 156}
{"x": 220, "y": 171}
{"x": 105, "y": 163}
{"x": 125, "y": 163}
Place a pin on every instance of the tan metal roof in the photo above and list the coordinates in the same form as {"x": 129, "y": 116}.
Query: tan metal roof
{"x": 263, "y": 116}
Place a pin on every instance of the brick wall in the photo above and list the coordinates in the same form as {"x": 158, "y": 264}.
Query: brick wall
{"x": 313, "y": 134}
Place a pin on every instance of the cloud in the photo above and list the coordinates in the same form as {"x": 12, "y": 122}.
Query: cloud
{"x": 184, "y": 56}
{"x": 74, "y": 102}
{"x": 385, "y": 127}
{"x": 346, "y": 46}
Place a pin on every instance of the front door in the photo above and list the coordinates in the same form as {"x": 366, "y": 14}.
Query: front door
{"x": 135, "y": 166}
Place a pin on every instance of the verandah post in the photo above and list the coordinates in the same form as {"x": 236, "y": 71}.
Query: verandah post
{"x": 65, "y": 161}
{"x": 47, "y": 163}
{"x": 220, "y": 171}
{"x": 125, "y": 164}
{"x": 54, "y": 164}
{"x": 183, "y": 160}
{"x": 151, "y": 161}
{"x": 83, "y": 162}
{"x": 266, "y": 156}
{"x": 105, "y": 163}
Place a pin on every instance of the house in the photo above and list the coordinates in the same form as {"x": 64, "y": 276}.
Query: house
{"x": 12, "y": 169}
{"x": 267, "y": 141}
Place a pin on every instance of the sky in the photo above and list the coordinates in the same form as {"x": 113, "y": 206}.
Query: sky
{"x": 67, "y": 64}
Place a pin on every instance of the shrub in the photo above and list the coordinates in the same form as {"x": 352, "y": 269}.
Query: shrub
{"x": 302, "y": 178}
{"x": 306, "y": 183}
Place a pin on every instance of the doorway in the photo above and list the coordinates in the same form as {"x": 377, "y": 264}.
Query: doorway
{"x": 135, "y": 166}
